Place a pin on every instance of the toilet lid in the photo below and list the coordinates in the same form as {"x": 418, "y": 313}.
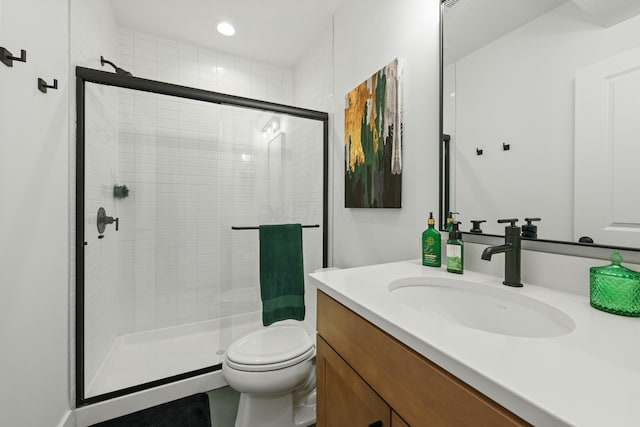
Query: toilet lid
{"x": 270, "y": 346}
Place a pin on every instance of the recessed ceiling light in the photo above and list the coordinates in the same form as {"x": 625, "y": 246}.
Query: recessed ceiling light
{"x": 226, "y": 29}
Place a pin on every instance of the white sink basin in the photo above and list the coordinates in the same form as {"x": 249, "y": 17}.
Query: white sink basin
{"x": 483, "y": 307}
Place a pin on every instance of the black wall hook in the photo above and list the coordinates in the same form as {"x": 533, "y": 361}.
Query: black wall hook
{"x": 7, "y": 57}
{"x": 479, "y": 151}
{"x": 506, "y": 147}
{"x": 43, "y": 86}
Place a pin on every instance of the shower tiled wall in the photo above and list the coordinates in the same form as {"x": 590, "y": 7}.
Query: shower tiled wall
{"x": 313, "y": 88}
{"x": 194, "y": 170}
{"x": 190, "y": 181}
{"x": 313, "y": 75}
{"x": 172, "y": 61}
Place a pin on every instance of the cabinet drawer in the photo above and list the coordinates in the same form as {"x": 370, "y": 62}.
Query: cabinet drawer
{"x": 396, "y": 421}
{"x": 344, "y": 399}
{"x": 421, "y": 392}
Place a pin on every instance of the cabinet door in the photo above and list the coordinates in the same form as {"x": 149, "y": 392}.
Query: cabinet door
{"x": 396, "y": 421}
{"x": 344, "y": 399}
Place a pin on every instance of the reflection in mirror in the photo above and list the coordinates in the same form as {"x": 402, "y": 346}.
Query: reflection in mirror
{"x": 540, "y": 98}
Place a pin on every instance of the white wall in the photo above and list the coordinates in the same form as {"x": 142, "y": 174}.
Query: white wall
{"x": 519, "y": 89}
{"x": 367, "y": 36}
{"x": 34, "y": 194}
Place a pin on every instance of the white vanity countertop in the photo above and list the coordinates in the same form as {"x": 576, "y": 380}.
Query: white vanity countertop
{"x": 588, "y": 377}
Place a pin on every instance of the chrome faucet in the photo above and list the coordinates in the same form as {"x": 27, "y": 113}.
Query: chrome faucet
{"x": 511, "y": 249}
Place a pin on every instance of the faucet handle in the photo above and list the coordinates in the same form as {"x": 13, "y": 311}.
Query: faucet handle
{"x": 476, "y": 225}
{"x": 511, "y": 220}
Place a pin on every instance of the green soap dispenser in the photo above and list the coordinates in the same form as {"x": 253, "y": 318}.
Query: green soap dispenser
{"x": 431, "y": 252}
{"x": 455, "y": 250}
{"x": 615, "y": 289}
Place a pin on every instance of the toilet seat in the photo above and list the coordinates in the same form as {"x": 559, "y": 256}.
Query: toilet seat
{"x": 271, "y": 348}
{"x": 270, "y": 367}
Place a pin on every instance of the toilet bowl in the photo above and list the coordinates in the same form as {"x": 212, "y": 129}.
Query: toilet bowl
{"x": 274, "y": 370}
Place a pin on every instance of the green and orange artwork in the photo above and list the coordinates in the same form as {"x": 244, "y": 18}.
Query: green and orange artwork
{"x": 373, "y": 141}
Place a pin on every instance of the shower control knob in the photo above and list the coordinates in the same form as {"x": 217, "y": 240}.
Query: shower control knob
{"x": 104, "y": 220}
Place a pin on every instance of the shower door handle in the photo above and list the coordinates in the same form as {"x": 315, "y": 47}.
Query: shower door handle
{"x": 103, "y": 220}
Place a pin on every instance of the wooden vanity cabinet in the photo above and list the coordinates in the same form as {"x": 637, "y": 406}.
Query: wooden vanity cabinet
{"x": 347, "y": 399}
{"x": 365, "y": 377}
{"x": 396, "y": 421}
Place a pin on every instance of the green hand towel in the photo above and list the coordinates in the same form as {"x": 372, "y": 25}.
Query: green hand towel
{"x": 281, "y": 273}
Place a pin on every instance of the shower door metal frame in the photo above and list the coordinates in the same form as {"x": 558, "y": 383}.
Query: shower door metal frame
{"x": 88, "y": 75}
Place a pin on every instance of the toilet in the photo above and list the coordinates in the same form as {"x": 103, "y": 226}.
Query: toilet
{"x": 273, "y": 368}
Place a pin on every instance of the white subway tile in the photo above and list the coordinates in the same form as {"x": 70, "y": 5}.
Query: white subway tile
{"x": 189, "y": 182}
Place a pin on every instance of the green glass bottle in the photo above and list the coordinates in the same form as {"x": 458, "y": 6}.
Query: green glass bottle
{"x": 455, "y": 250}
{"x": 614, "y": 288}
{"x": 431, "y": 255}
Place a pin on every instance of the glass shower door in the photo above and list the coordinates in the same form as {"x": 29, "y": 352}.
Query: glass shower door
{"x": 168, "y": 284}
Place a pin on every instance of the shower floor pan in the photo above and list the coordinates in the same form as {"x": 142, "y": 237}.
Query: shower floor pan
{"x": 143, "y": 357}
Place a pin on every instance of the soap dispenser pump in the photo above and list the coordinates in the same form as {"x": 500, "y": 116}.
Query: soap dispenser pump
{"x": 450, "y": 220}
{"x": 455, "y": 250}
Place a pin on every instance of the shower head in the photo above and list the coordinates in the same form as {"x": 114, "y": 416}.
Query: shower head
{"x": 118, "y": 69}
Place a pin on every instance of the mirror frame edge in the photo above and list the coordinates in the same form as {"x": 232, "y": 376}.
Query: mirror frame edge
{"x": 630, "y": 255}
{"x": 443, "y": 186}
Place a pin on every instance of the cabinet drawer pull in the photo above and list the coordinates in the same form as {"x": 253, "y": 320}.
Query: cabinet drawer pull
{"x": 376, "y": 424}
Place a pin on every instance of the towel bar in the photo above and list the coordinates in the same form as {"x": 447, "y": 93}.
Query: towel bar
{"x": 256, "y": 228}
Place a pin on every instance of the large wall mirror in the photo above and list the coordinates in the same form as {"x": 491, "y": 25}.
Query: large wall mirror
{"x": 541, "y": 100}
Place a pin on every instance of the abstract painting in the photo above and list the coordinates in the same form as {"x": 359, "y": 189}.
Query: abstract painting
{"x": 373, "y": 141}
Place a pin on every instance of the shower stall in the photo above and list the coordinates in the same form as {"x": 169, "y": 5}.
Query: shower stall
{"x": 171, "y": 184}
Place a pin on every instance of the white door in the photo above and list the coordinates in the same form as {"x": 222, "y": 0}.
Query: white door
{"x": 607, "y": 151}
